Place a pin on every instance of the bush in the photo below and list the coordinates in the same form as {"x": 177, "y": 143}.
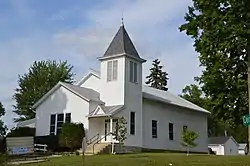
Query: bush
{"x": 71, "y": 135}
{"x": 52, "y": 141}
{"x": 77, "y": 153}
{"x": 2, "y": 145}
{"x": 3, "y": 159}
{"x": 22, "y": 132}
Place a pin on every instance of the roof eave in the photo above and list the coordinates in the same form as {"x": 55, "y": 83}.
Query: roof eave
{"x": 120, "y": 55}
{"x": 166, "y": 102}
{"x": 46, "y": 95}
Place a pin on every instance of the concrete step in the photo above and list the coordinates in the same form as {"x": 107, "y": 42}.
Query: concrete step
{"x": 98, "y": 148}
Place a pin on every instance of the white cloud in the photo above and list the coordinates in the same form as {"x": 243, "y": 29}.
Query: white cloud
{"x": 152, "y": 25}
{"x": 153, "y": 28}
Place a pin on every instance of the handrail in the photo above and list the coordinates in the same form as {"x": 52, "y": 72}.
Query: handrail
{"x": 94, "y": 138}
{"x": 101, "y": 138}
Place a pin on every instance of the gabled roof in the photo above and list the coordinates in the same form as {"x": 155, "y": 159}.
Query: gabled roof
{"x": 89, "y": 94}
{"x": 85, "y": 93}
{"x": 165, "y": 96}
{"x": 89, "y": 74}
{"x": 121, "y": 44}
{"x": 168, "y": 97}
{"x": 220, "y": 140}
{"x": 107, "y": 110}
{"x": 26, "y": 122}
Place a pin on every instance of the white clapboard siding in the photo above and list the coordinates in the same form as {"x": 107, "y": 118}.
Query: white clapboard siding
{"x": 20, "y": 142}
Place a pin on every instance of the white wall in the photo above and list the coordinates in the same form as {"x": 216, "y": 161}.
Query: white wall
{"x": 166, "y": 114}
{"x": 230, "y": 148}
{"x": 92, "y": 82}
{"x": 112, "y": 92}
{"x": 133, "y": 103}
{"x": 218, "y": 149}
{"x": 61, "y": 101}
{"x": 241, "y": 152}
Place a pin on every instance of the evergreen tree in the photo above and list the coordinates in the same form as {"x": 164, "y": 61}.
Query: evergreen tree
{"x": 157, "y": 78}
{"x": 41, "y": 77}
{"x": 3, "y": 128}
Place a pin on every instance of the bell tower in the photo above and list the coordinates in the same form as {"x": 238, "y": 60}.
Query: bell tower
{"x": 121, "y": 70}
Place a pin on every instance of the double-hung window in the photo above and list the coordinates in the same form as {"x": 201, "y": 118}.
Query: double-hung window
{"x": 132, "y": 123}
{"x": 52, "y": 124}
{"x": 56, "y": 122}
{"x": 171, "y": 131}
{"x": 154, "y": 129}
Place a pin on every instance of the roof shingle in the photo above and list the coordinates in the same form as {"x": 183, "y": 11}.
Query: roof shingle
{"x": 121, "y": 44}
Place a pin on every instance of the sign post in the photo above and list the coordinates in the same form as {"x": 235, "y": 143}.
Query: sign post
{"x": 246, "y": 120}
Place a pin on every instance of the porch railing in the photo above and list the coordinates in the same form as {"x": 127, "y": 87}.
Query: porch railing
{"x": 93, "y": 139}
{"x": 100, "y": 139}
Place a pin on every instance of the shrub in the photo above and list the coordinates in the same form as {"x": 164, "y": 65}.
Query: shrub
{"x": 21, "y": 132}
{"x": 3, "y": 158}
{"x": 71, "y": 135}
{"x": 77, "y": 153}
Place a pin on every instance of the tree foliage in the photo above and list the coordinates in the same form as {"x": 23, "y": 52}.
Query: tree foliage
{"x": 71, "y": 135}
{"x": 157, "y": 77}
{"x": 221, "y": 33}
{"x": 122, "y": 130}
{"x": 188, "y": 139}
{"x": 3, "y": 128}
{"x": 194, "y": 94}
{"x": 41, "y": 77}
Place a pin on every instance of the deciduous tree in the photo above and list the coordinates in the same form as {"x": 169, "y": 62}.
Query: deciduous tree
{"x": 41, "y": 77}
{"x": 188, "y": 139}
{"x": 221, "y": 33}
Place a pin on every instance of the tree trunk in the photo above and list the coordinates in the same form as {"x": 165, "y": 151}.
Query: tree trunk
{"x": 248, "y": 81}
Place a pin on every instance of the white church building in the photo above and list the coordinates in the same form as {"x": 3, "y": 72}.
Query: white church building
{"x": 155, "y": 118}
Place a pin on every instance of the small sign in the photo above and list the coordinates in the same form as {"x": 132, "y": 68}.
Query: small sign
{"x": 246, "y": 120}
{"x": 21, "y": 150}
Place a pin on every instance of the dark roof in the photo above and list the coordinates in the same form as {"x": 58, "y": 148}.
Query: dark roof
{"x": 218, "y": 140}
{"x": 121, "y": 44}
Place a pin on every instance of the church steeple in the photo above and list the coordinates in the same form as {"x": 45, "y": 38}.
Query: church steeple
{"x": 121, "y": 44}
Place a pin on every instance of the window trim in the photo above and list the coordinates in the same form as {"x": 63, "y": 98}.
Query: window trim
{"x": 132, "y": 123}
{"x": 154, "y": 128}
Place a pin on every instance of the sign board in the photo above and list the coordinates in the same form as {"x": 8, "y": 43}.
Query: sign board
{"x": 246, "y": 120}
{"x": 20, "y": 145}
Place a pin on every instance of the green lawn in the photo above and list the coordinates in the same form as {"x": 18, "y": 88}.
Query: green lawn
{"x": 146, "y": 159}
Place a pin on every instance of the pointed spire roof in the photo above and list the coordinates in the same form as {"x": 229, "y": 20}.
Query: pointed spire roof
{"x": 121, "y": 44}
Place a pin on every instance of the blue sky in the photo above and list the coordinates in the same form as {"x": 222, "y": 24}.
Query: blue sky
{"x": 80, "y": 31}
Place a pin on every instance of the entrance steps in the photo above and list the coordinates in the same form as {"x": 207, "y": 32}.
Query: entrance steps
{"x": 98, "y": 148}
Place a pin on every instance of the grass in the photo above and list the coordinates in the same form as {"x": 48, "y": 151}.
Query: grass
{"x": 148, "y": 159}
